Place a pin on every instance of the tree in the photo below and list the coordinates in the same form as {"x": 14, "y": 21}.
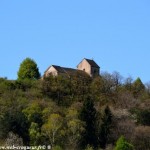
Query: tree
{"x": 128, "y": 83}
{"x": 97, "y": 88}
{"x": 117, "y": 78}
{"x": 137, "y": 87}
{"x": 52, "y": 128}
{"x": 28, "y": 70}
{"x": 17, "y": 123}
{"x": 34, "y": 133}
{"x": 80, "y": 82}
{"x": 147, "y": 85}
{"x": 11, "y": 116}
{"x": 141, "y": 138}
{"x": 34, "y": 113}
{"x": 108, "y": 82}
{"x": 105, "y": 127}
{"x": 88, "y": 115}
{"x": 13, "y": 139}
{"x": 74, "y": 128}
{"x": 142, "y": 116}
{"x": 122, "y": 144}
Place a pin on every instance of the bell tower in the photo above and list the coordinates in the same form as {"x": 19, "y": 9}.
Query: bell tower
{"x": 89, "y": 66}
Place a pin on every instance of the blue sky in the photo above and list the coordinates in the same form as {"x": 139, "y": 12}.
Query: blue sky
{"x": 115, "y": 33}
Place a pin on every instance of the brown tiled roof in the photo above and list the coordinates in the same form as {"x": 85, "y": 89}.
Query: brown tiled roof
{"x": 92, "y": 63}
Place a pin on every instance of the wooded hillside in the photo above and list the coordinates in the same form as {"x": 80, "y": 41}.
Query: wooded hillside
{"x": 78, "y": 112}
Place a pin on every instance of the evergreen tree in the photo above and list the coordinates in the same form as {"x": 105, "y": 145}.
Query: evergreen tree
{"x": 105, "y": 127}
{"x": 28, "y": 70}
{"x": 88, "y": 116}
{"x": 122, "y": 144}
{"x": 137, "y": 87}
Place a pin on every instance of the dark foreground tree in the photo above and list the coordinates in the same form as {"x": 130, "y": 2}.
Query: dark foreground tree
{"x": 105, "y": 127}
{"x": 28, "y": 70}
{"x": 88, "y": 116}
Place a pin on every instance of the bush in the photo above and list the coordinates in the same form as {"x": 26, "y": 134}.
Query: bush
{"x": 142, "y": 116}
{"x": 122, "y": 144}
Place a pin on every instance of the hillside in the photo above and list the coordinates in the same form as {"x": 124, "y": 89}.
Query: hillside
{"x": 74, "y": 113}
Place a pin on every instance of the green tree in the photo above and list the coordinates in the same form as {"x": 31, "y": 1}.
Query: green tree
{"x": 105, "y": 127}
{"x": 34, "y": 133}
{"x": 74, "y": 128}
{"x": 80, "y": 85}
{"x": 28, "y": 70}
{"x": 97, "y": 88}
{"x": 88, "y": 115}
{"x": 137, "y": 87}
{"x": 34, "y": 113}
{"x": 52, "y": 129}
{"x": 122, "y": 144}
{"x": 17, "y": 123}
{"x": 11, "y": 117}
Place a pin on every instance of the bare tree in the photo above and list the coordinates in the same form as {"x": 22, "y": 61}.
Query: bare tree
{"x": 141, "y": 138}
{"x": 13, "y": 139}
{"x": 117, "y": 78}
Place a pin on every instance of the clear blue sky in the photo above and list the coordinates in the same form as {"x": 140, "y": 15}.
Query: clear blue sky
{"x": 115, "y": 33}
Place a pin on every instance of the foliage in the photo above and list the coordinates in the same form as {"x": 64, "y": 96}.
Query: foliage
{"x": 105, "y": 127}
{"x": 142, "y": 116}
{"x": 74, "y": 129}
{"x": 89, "y": 148}
{"x": 34, "y": 133}
{"x": 122, "y": 144}
{"x": 57, "y": 148}
{"x": 52, "y": 129}
{"x": 88, "y": 115}
{"x": 70, "y": 112}
{"x": 34, "y": 113}
{"x": 137, "y": 87}
{"x": 28, "y": 70}
{"x": 11, "y": 117}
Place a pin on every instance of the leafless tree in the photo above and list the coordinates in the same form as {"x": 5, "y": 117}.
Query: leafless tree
{"x": 13, "y": 139}
{"x": 141, "y": 138}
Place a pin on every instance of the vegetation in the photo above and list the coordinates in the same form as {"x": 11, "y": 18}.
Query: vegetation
{"x": 75, "y": 113}
{"x": 122, "y": 144}
{"x": 88, "y": 116}
{"x": 28, "y": 70}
